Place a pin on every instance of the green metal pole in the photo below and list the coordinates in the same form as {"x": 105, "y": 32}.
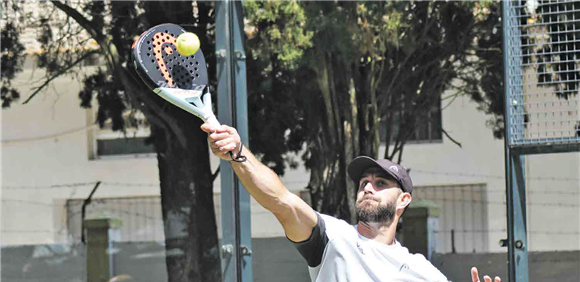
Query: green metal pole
{"x": 514, "y": 162}
{"x": 232, "y": 110}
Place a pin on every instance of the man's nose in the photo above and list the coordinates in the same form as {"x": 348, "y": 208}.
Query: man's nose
{"x": 369, "y": 188}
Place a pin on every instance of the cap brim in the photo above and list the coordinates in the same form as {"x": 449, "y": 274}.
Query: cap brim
{"x": 358, "y": 166}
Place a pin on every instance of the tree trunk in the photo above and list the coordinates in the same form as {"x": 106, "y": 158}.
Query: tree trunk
{"x": 191, "y": 240}
{"x": 192, "y": 251}
{"x": 350, "y": 149}
{"x": 182, "y": 150}
{"x": 331, "y": 189}
{"x": 187, "y": 202}
{"x": 326, "y": 148}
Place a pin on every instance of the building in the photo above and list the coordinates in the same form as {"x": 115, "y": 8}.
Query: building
{"x": 53, "y": 154}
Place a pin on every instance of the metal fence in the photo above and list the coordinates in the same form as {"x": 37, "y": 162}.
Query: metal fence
{"x": 541, "y": 50}
{"x": 463, "y": 223}
{"x": 141, "y": 217}
{"x": 543, "y": 71}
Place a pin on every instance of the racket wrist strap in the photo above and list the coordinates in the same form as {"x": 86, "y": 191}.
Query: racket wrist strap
{"x": 238, "y": 158}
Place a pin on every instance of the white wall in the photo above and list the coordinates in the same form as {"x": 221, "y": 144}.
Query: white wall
{"x": 552, "y": 226}
{"x": 44, "y": 143}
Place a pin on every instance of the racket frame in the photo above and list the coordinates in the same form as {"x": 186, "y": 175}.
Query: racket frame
{"x": 197, "y": 100}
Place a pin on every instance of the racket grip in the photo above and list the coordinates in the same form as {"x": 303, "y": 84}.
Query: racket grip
{"x": 212, "y": 120}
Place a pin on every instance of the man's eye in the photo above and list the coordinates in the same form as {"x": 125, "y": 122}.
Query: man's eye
{"x": 363, "y": 184}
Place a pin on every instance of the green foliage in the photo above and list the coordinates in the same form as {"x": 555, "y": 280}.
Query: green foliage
{"x": 280, "y": 25}
{"x": 102, "y": 85}
{"x": 397, "y": 57}
{"x": 12, "y": 60}
{"x": 483, "y": 78}
{"x": 381, "y": 24}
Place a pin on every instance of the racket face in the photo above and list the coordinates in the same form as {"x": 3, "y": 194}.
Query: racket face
{"x": 160, "y": 65}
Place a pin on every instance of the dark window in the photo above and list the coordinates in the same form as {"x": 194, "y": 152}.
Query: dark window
{"x": 123, "y": 146}
{"x": 425, "y": 128}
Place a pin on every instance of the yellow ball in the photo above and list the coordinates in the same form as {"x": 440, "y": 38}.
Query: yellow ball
{"x": 187, "y": 44}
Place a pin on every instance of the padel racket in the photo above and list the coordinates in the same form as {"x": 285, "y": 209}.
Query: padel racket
{"x": 181, "y": 80}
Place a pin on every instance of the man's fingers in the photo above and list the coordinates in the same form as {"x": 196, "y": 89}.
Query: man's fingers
{"x": 216, "y": 137}
{"x": 474, "y": 275}
{"x": 228, "y": 147}
{"x": 226, "y": 141}
{"x": 222, "y": 139}
{"x": 486, "y": 278}
{"x": 208, "y": 128}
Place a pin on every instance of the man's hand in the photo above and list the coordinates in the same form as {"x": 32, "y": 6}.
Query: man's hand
{"x": 222, "y": 140}
{"x": 475, "y": 276}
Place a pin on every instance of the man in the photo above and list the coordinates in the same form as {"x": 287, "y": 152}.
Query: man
{"x": 334, "y": 249}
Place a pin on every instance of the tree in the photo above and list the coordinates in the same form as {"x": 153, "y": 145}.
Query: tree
{"x": 106, "y": 30}
{"x": 323, "y": 79}
{"x": 350, "y": 68}
{"x": 12, "y": 60}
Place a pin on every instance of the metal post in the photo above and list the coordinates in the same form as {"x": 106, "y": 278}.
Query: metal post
{"x": 517, "y": 242}
{"x": 514, "y": 162}
{"x": 232, "y": 110}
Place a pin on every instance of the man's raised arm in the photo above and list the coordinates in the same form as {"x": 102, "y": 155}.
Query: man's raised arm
{"x": 297, "y": 217}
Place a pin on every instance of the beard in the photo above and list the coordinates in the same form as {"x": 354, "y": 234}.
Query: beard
{"x": 382, "y": 213}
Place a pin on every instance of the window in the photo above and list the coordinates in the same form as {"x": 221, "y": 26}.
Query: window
{"x": 104, "y": 142}
{"x": 424, "y": 128}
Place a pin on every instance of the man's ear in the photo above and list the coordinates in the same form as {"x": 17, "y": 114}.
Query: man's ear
{"x": 404, "y": 200}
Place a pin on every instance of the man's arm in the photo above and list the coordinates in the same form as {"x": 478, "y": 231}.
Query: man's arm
{"x": 297, "y": 217}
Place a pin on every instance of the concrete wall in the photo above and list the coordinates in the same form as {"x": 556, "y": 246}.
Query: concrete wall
{"x": 274, "y": 259}
{"x": 543, "y": 266}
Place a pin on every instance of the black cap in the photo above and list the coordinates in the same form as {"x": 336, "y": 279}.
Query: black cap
{"x": 358, "y": 166}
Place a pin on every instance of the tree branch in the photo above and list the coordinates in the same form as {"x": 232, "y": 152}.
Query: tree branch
{"x": 417, "y": 44}
{"x": 451, "y": 138}
{"x": 47, "y": 82}
{"x": 215, "y": 174}
{"x": 80, "y": 19}
{"x": 154, "y": 113}
{"x": 87, "y": 25}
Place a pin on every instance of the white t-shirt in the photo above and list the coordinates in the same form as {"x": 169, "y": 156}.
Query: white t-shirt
{"x": 337, "y": 252}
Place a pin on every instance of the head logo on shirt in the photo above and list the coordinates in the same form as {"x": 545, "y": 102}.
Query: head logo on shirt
{"x": 360, "y": 248}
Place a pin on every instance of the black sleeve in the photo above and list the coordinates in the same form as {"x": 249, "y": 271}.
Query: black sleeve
{"x": 312, "y": 249}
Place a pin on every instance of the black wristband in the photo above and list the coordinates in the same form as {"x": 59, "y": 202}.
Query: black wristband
{"x": 239, "y": 158}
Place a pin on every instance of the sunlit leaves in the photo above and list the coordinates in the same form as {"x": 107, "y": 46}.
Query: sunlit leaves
{"x": 281, "y": 26}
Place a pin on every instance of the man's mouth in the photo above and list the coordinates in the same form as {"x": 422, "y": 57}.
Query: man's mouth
{"x": 367, "y": 199}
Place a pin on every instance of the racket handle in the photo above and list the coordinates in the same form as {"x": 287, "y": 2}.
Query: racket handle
{"x": 212, "y": 120}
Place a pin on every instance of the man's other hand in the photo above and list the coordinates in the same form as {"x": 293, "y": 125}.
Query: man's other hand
{"x": 475, "y": 276}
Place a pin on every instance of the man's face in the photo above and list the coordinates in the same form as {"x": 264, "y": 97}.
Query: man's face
{"x": 377, "y": 197}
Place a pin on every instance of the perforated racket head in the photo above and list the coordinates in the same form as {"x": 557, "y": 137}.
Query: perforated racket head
{"x": 159, "y": 64}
